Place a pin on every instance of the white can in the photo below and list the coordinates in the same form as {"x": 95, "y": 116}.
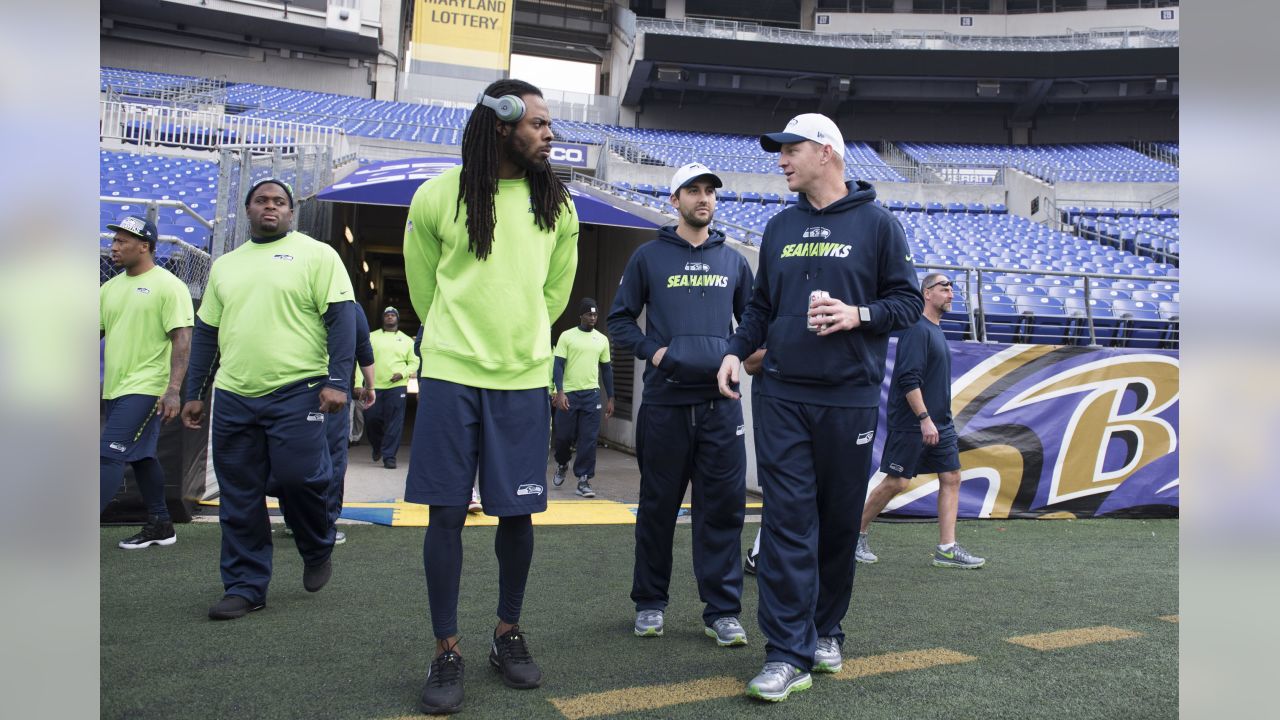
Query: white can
{"x": 815, "y": 296}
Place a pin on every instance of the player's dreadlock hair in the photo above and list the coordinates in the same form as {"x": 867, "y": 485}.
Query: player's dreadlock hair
{"x": 480, "y": 148}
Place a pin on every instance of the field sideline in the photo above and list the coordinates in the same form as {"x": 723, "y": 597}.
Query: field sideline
{"x": 1069, "y": 619}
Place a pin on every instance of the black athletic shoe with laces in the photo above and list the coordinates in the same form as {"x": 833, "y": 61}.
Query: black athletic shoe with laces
{"x": 443, "y": 692}
{"x": 155, "y": 532}
{"x": 510, "y": 655}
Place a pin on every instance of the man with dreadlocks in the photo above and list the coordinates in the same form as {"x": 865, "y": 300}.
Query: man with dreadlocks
{"x": 490, "y": 251}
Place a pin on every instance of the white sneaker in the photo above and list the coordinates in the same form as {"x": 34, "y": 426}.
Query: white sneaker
{"x": 474, "y": 506}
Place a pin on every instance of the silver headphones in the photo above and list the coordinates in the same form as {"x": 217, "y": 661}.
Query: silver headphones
{"x": 509, "y": 108}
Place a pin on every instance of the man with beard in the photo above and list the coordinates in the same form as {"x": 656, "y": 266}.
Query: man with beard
{"x": 692, "y": 286}
{"x": 581, "y": 363}
{"x": 922, "y": 437}
{"x": 394, "y": 363}
{"x": 490, "y": 252}
{"x": 276, "y": 312}
{"x": 145, "y": 314}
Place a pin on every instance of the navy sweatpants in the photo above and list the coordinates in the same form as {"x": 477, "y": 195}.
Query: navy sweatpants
{"x": 280, "y": 436}
{"x": 578, "y": 427}
{"x": 813, "y": 463}
{"x": 337, "y": 428}
{"x": 384, "y": 422}
{"x": 677, "y": 444}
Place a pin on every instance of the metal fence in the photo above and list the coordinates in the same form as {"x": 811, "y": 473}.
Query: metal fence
{"x": 307, "y": 169}
{"x": 153, "y": 127}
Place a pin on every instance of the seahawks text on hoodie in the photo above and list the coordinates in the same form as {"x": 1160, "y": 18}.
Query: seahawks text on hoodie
{"x": 856, "y": 251}
{"x": 691, "y": 295}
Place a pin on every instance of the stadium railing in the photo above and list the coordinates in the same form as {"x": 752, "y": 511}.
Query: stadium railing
{"x": 1093, "y": 39}
{"x": 156, "y": 127}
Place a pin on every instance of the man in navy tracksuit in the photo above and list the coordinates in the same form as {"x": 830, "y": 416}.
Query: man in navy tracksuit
{"x": 818, "y": 392}
{"x": 691, "y": 284}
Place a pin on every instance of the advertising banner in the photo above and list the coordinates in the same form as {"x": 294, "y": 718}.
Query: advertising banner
{"x": 1053, "y": 431}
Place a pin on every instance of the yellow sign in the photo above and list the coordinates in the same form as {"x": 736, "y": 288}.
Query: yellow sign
{"x": 475, "y": 33}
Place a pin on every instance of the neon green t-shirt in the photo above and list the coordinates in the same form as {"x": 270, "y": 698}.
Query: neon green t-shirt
{"x": 582, "y": 352}
{"x": 392, "y": 353}
{"x": 138, "y": 313}
{"x": 268, "y": 302}
{"x": 487, "y": 322}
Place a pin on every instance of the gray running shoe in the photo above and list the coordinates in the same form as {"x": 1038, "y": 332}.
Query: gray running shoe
{"x": 826, "y": 659}
{"x": 558, "y": 478}
{"x": 584, "y": 488}
{"x": 862, "y": 553}
{"x": 649, "y": 623}
{"x": 727, "y": 631}
{"x": 339, "y": 537}
{"x": 957, "y": 557}
{"x": 777, "y": 680}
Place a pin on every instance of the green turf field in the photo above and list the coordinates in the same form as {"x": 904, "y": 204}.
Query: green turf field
{"x": 933, "y": 643}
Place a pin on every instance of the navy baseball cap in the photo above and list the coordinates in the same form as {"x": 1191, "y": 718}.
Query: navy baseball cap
{"x": 288, "y": 189}
{"x": 138, "y": 227}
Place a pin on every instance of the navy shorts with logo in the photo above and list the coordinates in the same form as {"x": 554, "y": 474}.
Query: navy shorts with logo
{"x": 501, "y": 433}
{"x": 132, "y": 428}
{"x": 905, "y": 454}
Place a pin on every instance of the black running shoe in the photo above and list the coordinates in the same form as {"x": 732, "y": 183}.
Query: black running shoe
{"x": 510, "y": 655}
{"x": 443, "y": 692}
{"x": 155, "y": 532}
{"x": 389, "y": 463}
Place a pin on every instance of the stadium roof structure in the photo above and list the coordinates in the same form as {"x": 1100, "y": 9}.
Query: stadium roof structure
{"x": 672, "y": 67}
{"x": 394, "y": 182}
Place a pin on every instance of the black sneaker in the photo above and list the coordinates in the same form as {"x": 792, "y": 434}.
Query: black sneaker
{"x": 376, "y": 456}
{"x": 155, "y": 532}
{"x": 231, "y": 607}
{"x": 315, "y": 577}
{"x": 510, "y": 655}
{"x": 749, "y": 565}
{"x": 389, "y": 463}
{"x": 443, "y": 692}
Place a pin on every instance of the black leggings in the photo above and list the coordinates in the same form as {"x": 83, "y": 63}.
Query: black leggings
{"x": 442, "y": 560}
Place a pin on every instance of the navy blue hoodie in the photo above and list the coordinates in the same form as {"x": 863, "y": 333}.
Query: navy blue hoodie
{"x": 857, "y": 252}
{"x": 691, "y": 293}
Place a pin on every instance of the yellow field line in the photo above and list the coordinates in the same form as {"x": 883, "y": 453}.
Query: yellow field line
{"x": 1071, "y": 638}
{"x": 1168, "y": 618}
{"x": 648, "y": 697}
{"x": 900, "y": 662}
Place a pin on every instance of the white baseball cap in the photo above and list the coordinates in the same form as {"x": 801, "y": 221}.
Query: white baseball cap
{"x": 809, "y": 126}
{"x": 686, "y": 174}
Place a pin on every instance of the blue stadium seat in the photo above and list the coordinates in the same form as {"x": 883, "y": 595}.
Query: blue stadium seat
{"x": 1001, "y": 320}
{"x": 1049, "y": 323}
{"x": 1141, "y": 324}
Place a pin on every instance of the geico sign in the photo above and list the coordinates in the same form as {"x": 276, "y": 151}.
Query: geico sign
{"x": 569, "y": 155}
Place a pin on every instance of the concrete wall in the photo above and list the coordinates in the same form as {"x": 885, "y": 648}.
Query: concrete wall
{"x": 254, "y": 66}
{"x": 1022, "y": 188}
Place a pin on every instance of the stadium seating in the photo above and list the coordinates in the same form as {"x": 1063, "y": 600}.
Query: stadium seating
{"x": 1069, "y": 163}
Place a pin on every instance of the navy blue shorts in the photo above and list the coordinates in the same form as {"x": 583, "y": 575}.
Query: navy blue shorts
{"x": 905, "y": 454}
{"x": 132, "y": 429}
{"x": 501, "y": 433}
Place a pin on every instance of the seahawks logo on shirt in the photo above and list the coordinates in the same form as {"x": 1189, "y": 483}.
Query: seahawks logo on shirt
{"x": 144, "y": 291}
{"x": 282, "y": 256}
{"x": 697, "y": 267}
{"x": 816, "y": 249}
{"x": 817, "y": 232}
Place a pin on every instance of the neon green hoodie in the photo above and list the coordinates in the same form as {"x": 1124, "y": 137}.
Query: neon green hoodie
{"x": 487, "y": 323}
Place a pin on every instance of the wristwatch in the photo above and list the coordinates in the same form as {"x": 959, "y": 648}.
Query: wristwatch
{"x": 864, "y": 313}
{"x": 923, "y": 415}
